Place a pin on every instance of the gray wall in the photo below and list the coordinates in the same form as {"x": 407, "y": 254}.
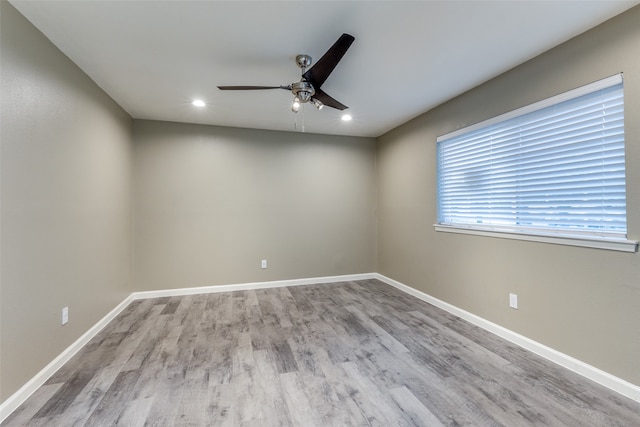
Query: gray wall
{"x": 583, "y": 302}
{"x": 211, "y": 202}
{"x": 66, "y": 210}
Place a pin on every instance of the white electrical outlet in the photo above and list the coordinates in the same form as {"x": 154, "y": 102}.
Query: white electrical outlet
{"x": 513, "y": 301}
{"x": 263, "y": 264}
{"x": 65, "y": 315}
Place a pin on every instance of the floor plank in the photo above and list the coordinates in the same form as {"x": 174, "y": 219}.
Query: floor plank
{"x": 356, "y": 353}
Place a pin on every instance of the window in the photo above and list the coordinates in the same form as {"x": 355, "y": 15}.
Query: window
{"x": 552, "y": 171}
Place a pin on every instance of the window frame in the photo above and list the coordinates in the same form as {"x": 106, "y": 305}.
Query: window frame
{"x": 546, "y": 235}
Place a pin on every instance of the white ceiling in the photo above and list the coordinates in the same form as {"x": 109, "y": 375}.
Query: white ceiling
{"x": 154, "y": 57}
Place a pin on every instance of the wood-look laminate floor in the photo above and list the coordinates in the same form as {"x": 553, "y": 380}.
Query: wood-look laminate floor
{"x": 355, "y": 353}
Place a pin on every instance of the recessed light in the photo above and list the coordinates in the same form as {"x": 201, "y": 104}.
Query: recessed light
{"x": 346, "y": 117}
{"x": 198, "y": 103}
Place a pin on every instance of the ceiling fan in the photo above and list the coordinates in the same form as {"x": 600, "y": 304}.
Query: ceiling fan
{"x": 308, "y": 88}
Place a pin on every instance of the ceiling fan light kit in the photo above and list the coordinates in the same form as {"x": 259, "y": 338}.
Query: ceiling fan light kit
{"x": 295, "y": 107}
{"x": 308, "y": 88}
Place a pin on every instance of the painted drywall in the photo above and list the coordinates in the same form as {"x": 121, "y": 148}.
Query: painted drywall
{"x": 211, "y": 202}
{"x": 65, "y": 196}
{"x": 582, "y": 302}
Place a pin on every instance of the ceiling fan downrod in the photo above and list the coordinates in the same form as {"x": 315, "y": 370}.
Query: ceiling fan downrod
{"x": 302, "y": 90}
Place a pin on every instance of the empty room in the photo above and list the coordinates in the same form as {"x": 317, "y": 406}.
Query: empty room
{"x": 319, "y": 213}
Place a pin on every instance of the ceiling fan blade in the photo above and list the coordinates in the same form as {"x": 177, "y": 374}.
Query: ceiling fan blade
{"x": 252, "y": 87}
{"x": 319, "y": 72}
{"x": 323, "y": 97}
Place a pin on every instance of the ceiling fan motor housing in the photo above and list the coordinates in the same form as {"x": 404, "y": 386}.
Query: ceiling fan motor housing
{"x": 303, "y": 90}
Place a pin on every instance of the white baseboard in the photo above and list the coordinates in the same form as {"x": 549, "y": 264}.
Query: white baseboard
{"x": 254, "y": 285}
{"x": 612, "y": 382}
{"x": 599, "y": 376}
{"x": 16, "y": 399}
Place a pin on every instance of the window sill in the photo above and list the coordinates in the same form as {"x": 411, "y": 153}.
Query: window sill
{"x": 622, "y": 245}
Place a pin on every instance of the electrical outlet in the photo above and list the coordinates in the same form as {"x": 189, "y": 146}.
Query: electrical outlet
{"x": 65, "y": 315}
{"x": 513, "y": 301}
{"x": 263, "y": 264}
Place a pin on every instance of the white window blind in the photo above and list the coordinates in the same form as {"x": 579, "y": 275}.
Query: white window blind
{"x": 555, "y": 167}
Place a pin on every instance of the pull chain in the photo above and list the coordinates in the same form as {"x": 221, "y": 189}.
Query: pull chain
{"x": 300, "y": 113}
